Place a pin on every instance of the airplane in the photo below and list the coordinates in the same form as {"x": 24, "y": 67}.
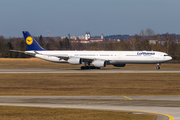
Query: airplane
{"x": 94, "y": 59}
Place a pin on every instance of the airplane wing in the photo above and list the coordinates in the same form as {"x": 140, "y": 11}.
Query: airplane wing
{"x": 66, "y": 57}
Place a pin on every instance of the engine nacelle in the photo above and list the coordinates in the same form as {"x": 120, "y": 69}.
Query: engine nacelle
{"x": 75, "y": 61}
{"x": 119, "y": 65}
{"x": 99, "y": 63}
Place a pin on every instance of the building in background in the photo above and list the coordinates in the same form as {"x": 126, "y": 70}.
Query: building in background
{"x": 102, "y": 36}
{"x": 87, "y": 36}
{"x": 73, "y": 37}
{"x": 81, "y": 37}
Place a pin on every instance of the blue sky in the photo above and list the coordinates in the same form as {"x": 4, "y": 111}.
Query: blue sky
{"x": 106, "y": 17}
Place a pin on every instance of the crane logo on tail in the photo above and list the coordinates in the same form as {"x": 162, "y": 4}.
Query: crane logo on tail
{"x": 29, "y": 40}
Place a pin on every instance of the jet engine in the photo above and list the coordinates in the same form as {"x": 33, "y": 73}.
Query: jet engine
{"x": 99, "y": 63}
{"x": 75, "y": 61}
{"x": 119, "y": 65}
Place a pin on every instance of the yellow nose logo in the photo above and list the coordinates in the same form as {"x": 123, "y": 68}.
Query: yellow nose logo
{"x": 29, "y": 40}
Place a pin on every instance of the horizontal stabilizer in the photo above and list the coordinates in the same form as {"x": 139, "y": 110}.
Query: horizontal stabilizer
{"x": 17, "y": 51}
{"x": 25, "y": 52}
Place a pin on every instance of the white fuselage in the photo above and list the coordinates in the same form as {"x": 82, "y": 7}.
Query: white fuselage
{"x": 114, "y": 57}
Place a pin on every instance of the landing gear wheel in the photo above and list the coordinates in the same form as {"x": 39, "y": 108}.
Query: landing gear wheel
{"x": 157, "y": 67}
{"x": 85, "y": 67}
{"x": 92, "y": 67}
{"x": 82, "y": 67}
{"x": 89, "y": 67}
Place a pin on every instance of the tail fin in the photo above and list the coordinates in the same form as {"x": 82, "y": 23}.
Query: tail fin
{"x": 31, "y": 43}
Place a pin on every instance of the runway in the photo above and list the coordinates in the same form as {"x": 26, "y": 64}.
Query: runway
{"x": 164, "y": 107}
{"x": 32, "y": 70}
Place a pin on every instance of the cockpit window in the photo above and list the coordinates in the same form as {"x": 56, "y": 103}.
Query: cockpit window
{"x": 166, "y": 55}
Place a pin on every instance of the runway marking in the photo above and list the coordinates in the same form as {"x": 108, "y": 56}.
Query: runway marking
{"x": 128, "y": 97}
{"x": 169, "y": 116}
{"x": 147, "y": 101}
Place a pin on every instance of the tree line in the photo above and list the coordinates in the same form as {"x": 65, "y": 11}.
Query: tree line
{"x": 168, "y": 43}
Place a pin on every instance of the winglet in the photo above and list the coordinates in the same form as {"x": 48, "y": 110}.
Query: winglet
{"x": 31, "y": 43}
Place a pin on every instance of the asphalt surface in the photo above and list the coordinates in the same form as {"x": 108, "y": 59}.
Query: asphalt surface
{"x": 165, "y": 107}
{"x": 29, "y": 70}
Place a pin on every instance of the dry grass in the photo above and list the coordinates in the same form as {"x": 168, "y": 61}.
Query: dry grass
{"x": 31, "y": 63}
{"x": 89, "y": 84}
{"x": 38, "y": 63}
{"x": 25, "y": 113}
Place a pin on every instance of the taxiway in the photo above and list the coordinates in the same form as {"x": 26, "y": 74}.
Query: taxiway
{"x": 31, "y": 70}
{"x": 164, "y": 107}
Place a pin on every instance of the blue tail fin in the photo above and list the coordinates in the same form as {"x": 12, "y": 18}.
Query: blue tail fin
{"x": 31, "y": 43}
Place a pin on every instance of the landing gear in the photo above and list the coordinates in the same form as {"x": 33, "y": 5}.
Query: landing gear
{"x": 158, "y": 66}
{"x": 89, "y": 67}
{"x": 85, "y": 67}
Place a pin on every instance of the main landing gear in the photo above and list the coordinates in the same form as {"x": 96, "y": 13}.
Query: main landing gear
{"x": 158, "y": 66}
{"x": 85, "y": 67}
{"x": 89, "y": 67}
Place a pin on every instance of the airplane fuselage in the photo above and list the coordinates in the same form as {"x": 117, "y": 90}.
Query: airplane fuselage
{"x": 114, "y": 57}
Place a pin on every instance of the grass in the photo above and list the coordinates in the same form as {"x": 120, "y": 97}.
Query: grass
{"x": 38, "y": 63}
{"x": 27, "y": 113}
{"x": 32, "y": 63}
{"x": 90, "y": 84}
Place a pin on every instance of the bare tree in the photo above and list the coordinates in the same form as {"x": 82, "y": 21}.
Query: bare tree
{"x": 149, "y": 33}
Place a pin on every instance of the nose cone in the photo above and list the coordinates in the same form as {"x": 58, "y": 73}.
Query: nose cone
{"x": 170, "y": 58}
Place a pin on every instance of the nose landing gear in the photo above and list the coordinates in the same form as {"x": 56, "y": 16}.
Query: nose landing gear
{"x": 158, "y": 66}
